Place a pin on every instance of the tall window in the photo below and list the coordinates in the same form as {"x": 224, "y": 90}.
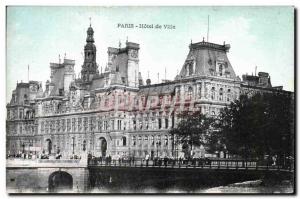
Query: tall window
{"x": 99, "y": 124}
{"x": 190, "y": 93}
{"x": 85, "y": 124}
{"x": 166, "y": 140}
{"x": 134, "y": 124}
{"x": 221, "y": 94}
{"x": 213, "y": 93}
{"x": 119, "y": 124}
{"x": 73, "y": 124}
{"x": 228, "y": 95}
{"x": 152, "y": 140}
{"x": 166, "y": 123}
{"x": 63, "y": 125}
{"x": 105, "y": 125}
{"x": 124, "y": 141}
{"x": 79, "y": 123}
{"x": 68, "y": 125}
{"x": 159, "y": 123}
{"x": 84, "y": 145}
{"x": 133, "y": 140}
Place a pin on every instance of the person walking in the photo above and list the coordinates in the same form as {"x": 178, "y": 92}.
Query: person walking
{"x": 147, "y": 159}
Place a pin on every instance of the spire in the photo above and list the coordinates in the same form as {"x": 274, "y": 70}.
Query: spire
{"x": 90, "y": 34}
{"x": 90, "y": 22}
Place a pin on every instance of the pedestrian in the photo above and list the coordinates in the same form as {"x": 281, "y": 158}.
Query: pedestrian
{"x": 147, "y": 159}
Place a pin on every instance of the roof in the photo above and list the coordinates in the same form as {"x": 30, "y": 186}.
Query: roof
{"x": 205, "y": 59}
{"x": 158, "y": 89}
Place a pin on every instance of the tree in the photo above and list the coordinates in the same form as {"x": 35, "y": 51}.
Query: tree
{"x": 192, "y": 129}
{"x": 256, "y": 126}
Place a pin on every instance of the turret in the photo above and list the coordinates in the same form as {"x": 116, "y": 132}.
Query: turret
{"x": 89, "y": 67}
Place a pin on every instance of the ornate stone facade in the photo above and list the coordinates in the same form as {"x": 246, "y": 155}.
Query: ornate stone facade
{"x": 114, "y": 112}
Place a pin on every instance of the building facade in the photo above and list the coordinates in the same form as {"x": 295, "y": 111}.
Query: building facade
{"x": 115, "y": 112}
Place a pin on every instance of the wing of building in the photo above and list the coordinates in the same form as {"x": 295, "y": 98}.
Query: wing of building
{"x": 113, "y": 112}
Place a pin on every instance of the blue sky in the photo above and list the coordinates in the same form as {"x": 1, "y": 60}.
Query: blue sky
{"x": 259, "y": 36}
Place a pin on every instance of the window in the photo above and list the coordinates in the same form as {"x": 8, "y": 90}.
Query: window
{"x": 117, "y": 68}
{"x": 133, "y": 140}
{"x": 112, "y": 124}
{"x": 190, "y": 93}
{"x": 152, "y": 140}
{"x": 221, "y": 94}
{"x": 173, "y": 121}
{"x": 124, "y": 140}
{"x": 73, "y": 124}
{"x": 85, "y": 124}
{"x": 63, "y": 125}
{"x": 141, "y": 124}
{"x": 140, "y": 140}
{"x": 166, "y": 140}
{"x": 119, "y": 124}
{"x": 68, "y": 125}
{"x": 228, "y": 95}
{"x": 134, "y": 124}
{"x": 159, "y": 123}
{"x": 79, "y": 123}
{"x": 220, "y": 69}
{"x": 99, "y": 124}
{"x": 105, "y": 125}
{"x": 213, "y": 93}
{"x": 166, "y": 123}
{"x": 92, "y": 123}
{"x": 84, "y": 145}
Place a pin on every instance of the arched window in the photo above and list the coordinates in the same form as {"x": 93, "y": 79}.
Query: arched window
{"x": 228, "y": 95}
{"x": 213, "y": 93}
{"x": 133, "y": 140}
{"x": 84, "y": 145}
{"x": 221, "y": 94}
{"x": 124, "y": 140}
{"x": 190, "y": 93}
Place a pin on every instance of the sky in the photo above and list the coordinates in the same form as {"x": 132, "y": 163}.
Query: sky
{"x": 259, "y": 36}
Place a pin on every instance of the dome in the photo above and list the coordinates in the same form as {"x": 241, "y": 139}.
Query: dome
{"x": 90, "y": 31}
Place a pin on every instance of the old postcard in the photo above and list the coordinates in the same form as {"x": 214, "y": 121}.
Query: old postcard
{"x": 164, "y": 100}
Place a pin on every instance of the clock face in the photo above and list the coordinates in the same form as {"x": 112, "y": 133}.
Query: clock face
{"x": 134, "y": 54}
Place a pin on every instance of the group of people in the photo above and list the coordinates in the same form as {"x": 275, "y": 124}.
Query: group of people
{"x": 22, "y": 155}
{"x": 108, "y": 159}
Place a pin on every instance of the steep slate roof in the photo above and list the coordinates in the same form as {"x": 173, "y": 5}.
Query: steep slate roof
{"x": 206, "y": 55}
{"x": 57, "y": 79}
{"x": 158, "y": 89}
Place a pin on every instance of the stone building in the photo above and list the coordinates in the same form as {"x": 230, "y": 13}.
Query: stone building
{"x": 114, "y": 112}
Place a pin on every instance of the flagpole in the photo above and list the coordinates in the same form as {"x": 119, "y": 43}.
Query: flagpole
{"x": 28, "y": 73}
